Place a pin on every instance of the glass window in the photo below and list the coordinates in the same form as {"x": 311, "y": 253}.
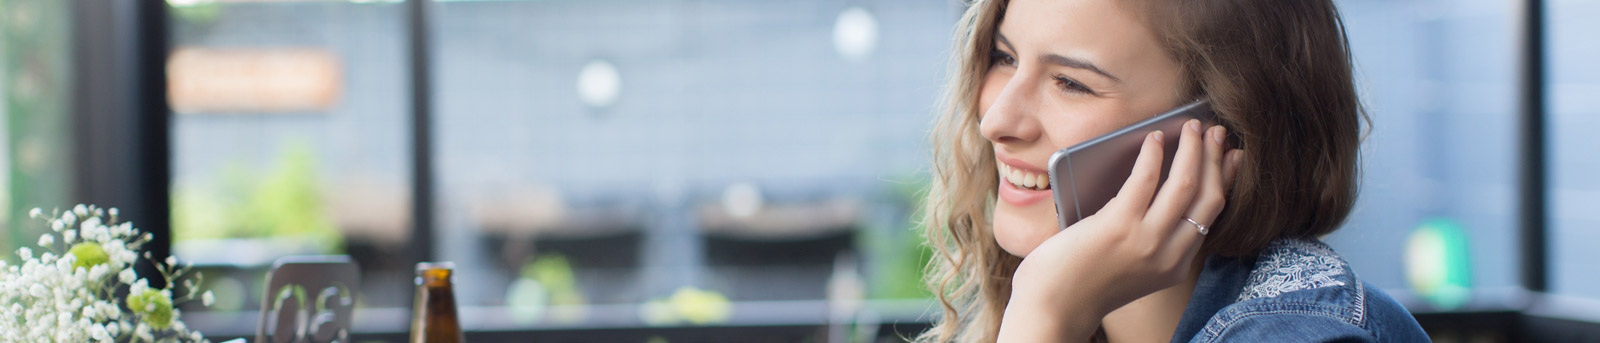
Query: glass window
{"x": 682, "y": 152}
{"x": 1439, "y": 81}
{"x": 1573, "y": 81}
{"x": 290, "y": 135}
{"x": 723, "y": 161}
{"x": 36, "y": 80}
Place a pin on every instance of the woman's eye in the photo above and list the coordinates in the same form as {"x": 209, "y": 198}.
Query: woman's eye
{"x": 1001, "y": 58}
{"x": 1072, "y": 86}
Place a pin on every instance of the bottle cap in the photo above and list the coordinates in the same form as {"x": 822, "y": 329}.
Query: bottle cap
{"x": 422, "y": 266}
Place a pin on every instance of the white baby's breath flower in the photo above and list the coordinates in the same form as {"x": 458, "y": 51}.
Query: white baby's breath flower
{"x": 78, "y": 274}
{"x": 47, "y": 298}
{"x": 98, "y": 271}
{"x": 110, "y": 310}
{"x": 113, "y": 212}
{"x": 99, "y": 333}
{"x": 143, "y": 332}
{"x": 172, "y": 260}
{"x": 90, "y": 222}
{"x": 127, "y": 256}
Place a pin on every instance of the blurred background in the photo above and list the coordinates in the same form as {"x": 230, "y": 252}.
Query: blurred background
{"x": 718, "y": 170}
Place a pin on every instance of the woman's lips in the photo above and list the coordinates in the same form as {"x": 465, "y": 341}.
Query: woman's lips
{"x": 1022, "y": 184}
{"x": 1021, "y": 197}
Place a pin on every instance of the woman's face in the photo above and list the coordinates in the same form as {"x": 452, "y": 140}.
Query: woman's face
{"x": 1064, "y": 71}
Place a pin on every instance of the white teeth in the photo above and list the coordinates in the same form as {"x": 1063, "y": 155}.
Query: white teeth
{"x": 1023, "y": 179}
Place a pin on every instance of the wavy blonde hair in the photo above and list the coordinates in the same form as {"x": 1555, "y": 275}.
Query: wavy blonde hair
{"x": 969, "y": 273}
{"x": 1278, "y": 74}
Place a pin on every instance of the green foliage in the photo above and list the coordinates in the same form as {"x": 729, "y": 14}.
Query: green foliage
{"x": 283, "y": 203}
{"x": 555, "y": 274}
{"x": 202, "y": 13}
{"x": 687, "y": 305}
{"x": 699, "y": 306}
{"x": 904, "y": 252}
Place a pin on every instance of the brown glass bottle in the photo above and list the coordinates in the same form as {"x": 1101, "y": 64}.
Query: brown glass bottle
{"x": 433, "y": 312}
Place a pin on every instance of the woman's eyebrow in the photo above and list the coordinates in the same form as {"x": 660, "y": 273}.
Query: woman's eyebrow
{"x": 1061, "y": 60}
{"x": 1077, "y": 63}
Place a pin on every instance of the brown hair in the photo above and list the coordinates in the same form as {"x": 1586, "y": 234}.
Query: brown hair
{"x": 1277, "y": 72}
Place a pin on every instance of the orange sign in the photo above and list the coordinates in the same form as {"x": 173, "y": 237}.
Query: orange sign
{"x": 253, "y": 80}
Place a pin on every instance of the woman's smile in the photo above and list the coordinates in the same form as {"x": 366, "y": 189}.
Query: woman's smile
{"x": 1022, "y": 184}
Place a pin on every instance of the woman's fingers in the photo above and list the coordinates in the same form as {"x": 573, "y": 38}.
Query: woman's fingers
{"x": 1172, "y": 201}
{"x": 1231, "y": 166}
{"x": 1140, "y": 186}
{"x": 1209, "y": 199}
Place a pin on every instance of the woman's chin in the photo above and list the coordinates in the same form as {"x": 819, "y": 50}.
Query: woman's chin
{"x": 1018, "y": 233}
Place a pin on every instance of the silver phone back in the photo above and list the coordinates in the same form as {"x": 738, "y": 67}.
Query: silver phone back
{"x": 1085, "y": 176}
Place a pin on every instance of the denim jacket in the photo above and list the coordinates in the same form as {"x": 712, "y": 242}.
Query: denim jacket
{"x": 1296, "y": 290}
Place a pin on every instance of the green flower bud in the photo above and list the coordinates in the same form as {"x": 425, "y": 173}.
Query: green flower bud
{"x": 88, "y": 255}
{"x": 154, "y": 307}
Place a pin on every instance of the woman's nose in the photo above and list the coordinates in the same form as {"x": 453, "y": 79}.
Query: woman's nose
{"x": 1010, "y": 117}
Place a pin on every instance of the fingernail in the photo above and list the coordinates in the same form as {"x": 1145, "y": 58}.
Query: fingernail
{"x": 1157, "y": 135}
{"x": 1194, "y": 125}
{"x": 1219, "y": 133}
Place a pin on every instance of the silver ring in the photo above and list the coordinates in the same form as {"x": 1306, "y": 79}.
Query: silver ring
{"x": 1203, "y": 229}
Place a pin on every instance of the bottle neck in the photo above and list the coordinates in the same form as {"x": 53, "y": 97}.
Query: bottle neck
{"x": 434, "y": 314}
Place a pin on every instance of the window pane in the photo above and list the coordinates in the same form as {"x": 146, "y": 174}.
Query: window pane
{"x": 36, "y": 83}
{"x": 739, "y": 150}
{"x": 290, "y": 136}
{"x": 1574, "y": 114}
{"x": 1439, "y": 80}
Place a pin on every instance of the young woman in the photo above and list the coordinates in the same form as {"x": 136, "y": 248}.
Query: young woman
{"x": 1225, "y": 249}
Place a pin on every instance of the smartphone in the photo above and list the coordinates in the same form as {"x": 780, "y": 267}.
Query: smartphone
{"x": 1084, "y": 177}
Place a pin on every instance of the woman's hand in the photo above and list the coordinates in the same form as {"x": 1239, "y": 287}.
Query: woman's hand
{"x": 1130, "y": 248}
